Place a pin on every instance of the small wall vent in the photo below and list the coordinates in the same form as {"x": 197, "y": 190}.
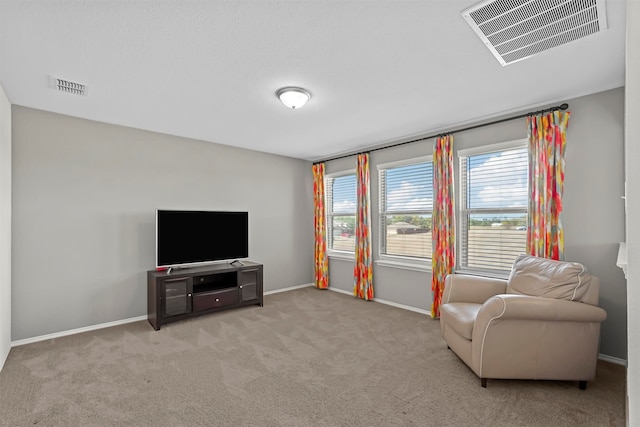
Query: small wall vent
{"x": 514, "y": 30}
{"x": 68, "y": 86}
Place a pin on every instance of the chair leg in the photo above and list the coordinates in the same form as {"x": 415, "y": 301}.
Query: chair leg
{"x": 582, "y": 385}
{"x": 483, "y": 382}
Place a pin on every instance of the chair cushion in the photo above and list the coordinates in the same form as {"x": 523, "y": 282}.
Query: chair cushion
{"x": 548, "y": 278}
{"x": 460, "y": 316}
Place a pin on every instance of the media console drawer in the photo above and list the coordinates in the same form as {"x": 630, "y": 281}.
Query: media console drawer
{"x": 207, "y": 300}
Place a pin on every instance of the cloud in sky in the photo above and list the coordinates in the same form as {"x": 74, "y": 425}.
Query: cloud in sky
{"x": 500, "y": 180}
{"x": 409, "y": 197}
{"x": 345, "y": 206}
{"x": 344, "y": 194}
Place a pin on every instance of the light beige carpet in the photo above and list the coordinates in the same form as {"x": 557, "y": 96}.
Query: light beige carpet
{"x": 307, "y": 358}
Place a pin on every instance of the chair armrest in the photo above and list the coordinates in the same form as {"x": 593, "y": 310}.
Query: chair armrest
{"x": 523, "y": 307}
{"x": 474, "y": 289}
{"x": 520, "y": 336}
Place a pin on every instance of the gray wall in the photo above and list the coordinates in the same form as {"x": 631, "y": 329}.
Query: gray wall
{"x": 405, "y": 287}
{"x": 84, "y": 195}
{"x": 632, "y": 173}
{"x": 593, "y": 205}
{"x": 593, "y": 210}
{"x": 84, "y": 200}
{"x": 5, "y": 227}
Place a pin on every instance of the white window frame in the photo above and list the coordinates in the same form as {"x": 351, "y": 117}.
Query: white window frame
{"x": 464, "y": 212}
{"x": 398, "y": 261}
{"x": 333, "y": 253}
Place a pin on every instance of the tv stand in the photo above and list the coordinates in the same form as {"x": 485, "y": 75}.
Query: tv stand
{"x": 189, "y": 292}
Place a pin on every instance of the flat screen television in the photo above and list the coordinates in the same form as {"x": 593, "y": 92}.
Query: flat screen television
{"x": 187, "y": 237}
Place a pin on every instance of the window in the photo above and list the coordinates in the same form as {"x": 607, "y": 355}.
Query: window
{"x": 406, "y": 203}
{"x": 493, "y": 206}
{"x": 341, "y": 212}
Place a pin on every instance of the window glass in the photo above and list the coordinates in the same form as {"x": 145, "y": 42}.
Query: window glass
{"x": 493, "y": 208}
{"x": 406, "y": 202}
{"x": 341, "y": 215}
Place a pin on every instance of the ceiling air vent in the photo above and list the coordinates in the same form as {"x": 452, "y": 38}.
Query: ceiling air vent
{"x": 69, "y": 87}
{"x": 514, "y": 30}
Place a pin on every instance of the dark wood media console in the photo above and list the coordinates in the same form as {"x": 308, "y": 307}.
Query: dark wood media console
{"x": 184, "y": 293}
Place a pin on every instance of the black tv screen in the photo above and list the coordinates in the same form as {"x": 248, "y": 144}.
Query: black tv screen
{"x": 196, "y": 237}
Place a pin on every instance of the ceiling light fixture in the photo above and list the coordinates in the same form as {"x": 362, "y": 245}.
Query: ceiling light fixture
{"x": 293, "y": 97}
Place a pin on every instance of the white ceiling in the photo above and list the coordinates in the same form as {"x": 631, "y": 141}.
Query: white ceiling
{"x": 379, "y": 71}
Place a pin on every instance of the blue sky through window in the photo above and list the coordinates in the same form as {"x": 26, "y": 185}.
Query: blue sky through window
{"x": 498, "y": 180}
{"x": 344, "y": 194}
{"x": 409, "y": 188}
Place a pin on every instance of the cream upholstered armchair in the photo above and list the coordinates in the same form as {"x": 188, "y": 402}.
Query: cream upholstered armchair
{"x": 542, "y": 323}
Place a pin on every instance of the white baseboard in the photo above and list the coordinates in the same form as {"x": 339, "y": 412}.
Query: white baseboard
{"x": 404, "y": 307}
{"x": 612, "y": 359}
{"x": 391, "y": 303}
{"x": 77, "y": 331}
{"x": 342, "y": 291}
{"x": 292, "y": 288}
{"x": 115, "y": 323}
{"x": 601, "y": 356}
{"x": 17, "y": 343}
{"x": 3, "y": 358}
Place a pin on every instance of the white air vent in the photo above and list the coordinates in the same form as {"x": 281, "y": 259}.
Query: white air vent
{"x": 69, "y": 87}
{"x": 514, "y": 30}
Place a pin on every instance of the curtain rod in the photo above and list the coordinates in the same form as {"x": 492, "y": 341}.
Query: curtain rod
{"x": 521, "y": 116}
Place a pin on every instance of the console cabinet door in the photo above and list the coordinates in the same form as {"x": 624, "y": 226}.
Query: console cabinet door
{"x": 248, "y": 284}
{"x": 176, "y": 296}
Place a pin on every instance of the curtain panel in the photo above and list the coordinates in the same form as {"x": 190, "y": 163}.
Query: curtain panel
{"x": 320, "y": 252}
{"x": 363, "y": 269}
{"x": 443, "y": 219}
{"x": 547, "y": 145}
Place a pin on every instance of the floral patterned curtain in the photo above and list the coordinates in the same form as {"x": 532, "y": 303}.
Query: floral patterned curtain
{"x": 547, "y": 144}
{"x": 363, "y": 270}
{"x": 321, "y": 260}
{"x": 443, "y": 219}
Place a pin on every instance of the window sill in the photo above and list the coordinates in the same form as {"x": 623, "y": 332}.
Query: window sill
{"x": 343, "y": 256}
{"x": 404, "y": 265}
{"x": 481, "y": 273}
